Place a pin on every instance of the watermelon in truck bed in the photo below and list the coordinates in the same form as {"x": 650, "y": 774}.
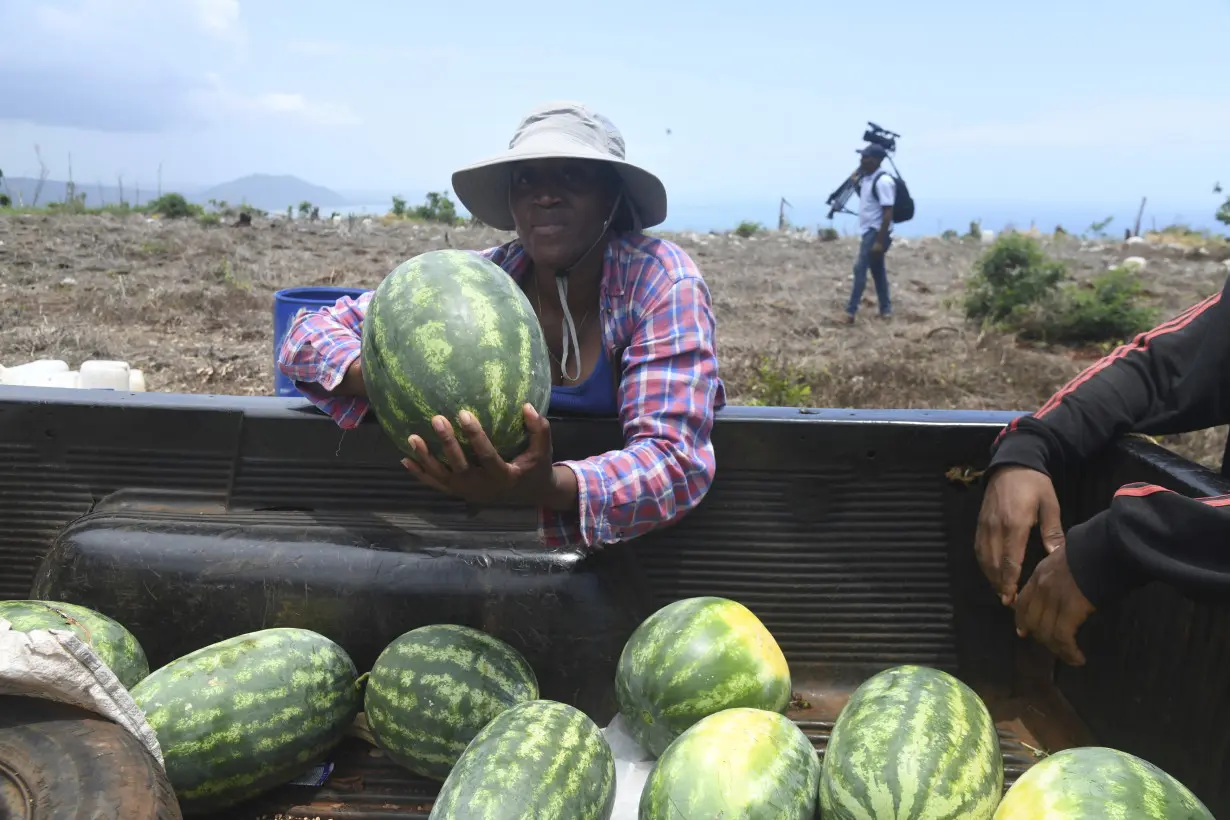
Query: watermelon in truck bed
{"x": 847, "y": 532}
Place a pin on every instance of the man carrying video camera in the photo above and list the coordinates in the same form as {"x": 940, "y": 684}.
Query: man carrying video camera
{"x": 877, "y": 192}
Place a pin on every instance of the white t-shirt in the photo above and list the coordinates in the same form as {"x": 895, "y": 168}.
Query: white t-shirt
{"x": 871, "y": 212}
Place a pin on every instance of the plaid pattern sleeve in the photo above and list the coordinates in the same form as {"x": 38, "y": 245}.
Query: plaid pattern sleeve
{"x": 321, "y": 345}
{"x": 668, "y": 394}
{"x": 318, "y": 349}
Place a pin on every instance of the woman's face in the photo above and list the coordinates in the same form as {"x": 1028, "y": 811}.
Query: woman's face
{"x": 559, "y": 206}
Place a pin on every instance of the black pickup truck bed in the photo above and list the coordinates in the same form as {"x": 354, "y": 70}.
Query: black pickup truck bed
{"x": 849, "y": 533}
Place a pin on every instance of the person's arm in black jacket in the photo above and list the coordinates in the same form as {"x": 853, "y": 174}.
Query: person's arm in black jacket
{"x": 1174, "y": 378}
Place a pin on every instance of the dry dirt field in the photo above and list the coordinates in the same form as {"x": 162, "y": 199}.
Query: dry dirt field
{"x": 192, "y": 305}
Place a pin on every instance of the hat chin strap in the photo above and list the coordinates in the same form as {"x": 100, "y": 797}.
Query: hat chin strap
{"x": 561, "y": 285}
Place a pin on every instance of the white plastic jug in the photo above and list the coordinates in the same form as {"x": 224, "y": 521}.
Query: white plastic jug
{"x": 94, "y": 374}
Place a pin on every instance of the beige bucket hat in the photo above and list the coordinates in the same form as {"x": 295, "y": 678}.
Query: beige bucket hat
{"x": 557, "y": 130}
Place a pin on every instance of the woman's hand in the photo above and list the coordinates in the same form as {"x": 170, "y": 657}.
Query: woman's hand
{"x": 530, "y": 478}
{"x": 351, "y": 385}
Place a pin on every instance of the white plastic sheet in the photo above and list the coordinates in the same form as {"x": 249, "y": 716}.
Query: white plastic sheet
{"x": 632, "y": 767}
{"x": 55, "y": 664}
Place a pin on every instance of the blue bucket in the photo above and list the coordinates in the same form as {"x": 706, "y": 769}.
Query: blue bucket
{"x": 286, "y": 303}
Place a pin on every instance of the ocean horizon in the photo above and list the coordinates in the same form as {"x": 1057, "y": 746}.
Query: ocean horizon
{"x": 930, "y": 218}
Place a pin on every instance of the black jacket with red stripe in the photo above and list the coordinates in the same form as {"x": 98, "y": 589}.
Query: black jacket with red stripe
{"x": 1172, "y": 379}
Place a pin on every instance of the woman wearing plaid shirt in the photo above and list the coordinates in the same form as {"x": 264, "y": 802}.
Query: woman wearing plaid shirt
{"x": 643, "y": 349}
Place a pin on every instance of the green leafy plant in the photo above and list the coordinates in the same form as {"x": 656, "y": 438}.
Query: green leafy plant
{"x": 1106, "y": 309}
{"x": 174, "y": 206}
{"x": 775, "y": 383}
{"x": 747, "y": 229}
{"x": 1098, "y": 229}
{"x": 1012, "y": 275}
{"x": 437, "y": 208}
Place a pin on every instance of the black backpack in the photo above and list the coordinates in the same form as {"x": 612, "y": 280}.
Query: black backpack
{"x": 903, "y": 204}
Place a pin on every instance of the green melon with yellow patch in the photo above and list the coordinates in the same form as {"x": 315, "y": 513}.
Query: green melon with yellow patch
{"x": 694, "y": 658}
{"x": 1097, "y": 783}
{"x": 247, "y": 714}
{"x": 448, "y": 331}
{"x": 744, "y": 763}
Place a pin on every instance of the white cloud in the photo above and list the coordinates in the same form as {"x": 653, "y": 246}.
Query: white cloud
{"x": 142, "y": 65}
{"x": 218, "y": 103}
{"x": 218, "y": 17}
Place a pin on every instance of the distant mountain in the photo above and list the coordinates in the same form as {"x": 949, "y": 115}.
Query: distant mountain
{"x": 271, "y": 193}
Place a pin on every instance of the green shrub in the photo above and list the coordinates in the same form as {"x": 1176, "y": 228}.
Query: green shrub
{"x": 828, "y": 234}
{"x": 1105, "y": 309}
{"x": 747, "y": 228}
{"x": 437, "y": 208}
{"x": 173, "y": 206}
{"x": 1018, "y": 288}
{"x": 1014, "y": 274}
{"x": 775, "y": 383}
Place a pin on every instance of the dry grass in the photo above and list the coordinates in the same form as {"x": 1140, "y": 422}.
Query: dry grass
{"x": 192, "y": 305}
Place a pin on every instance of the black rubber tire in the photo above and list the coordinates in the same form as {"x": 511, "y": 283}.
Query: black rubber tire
{"x": 59, "y": 762}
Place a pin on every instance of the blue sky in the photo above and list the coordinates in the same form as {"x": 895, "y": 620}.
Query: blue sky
{"x": 1013, "y": 104}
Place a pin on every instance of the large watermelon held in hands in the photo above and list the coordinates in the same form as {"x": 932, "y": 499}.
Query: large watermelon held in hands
{"x": 744, "y": 763}
{"x": 541, "y": 760}
{"x": 1096, "y": 783}
{"x": 434, "y": 688}
{"x": 249, "y": 713}
{"x": 112, "y": 643}
{"x": 448, "y": 331}
{"x": 691, "y": 659}
{"x": 912, "y": 743}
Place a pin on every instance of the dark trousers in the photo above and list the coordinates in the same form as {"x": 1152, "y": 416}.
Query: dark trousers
{"x": 878, "y": 274}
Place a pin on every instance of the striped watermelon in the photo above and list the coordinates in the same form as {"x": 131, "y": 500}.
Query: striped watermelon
{"x": 1096, "y": 782}
{"x": 540, "y": 759}
{"x": 244, "y": 715}
{"x": 694, "y": 658}
{"x": 912, "y": 743}
{"x": 745, "y": 763}
{"x": 112, "y": 643}
{"x": 448, "y": 331}
{"x": 435, "y": 687}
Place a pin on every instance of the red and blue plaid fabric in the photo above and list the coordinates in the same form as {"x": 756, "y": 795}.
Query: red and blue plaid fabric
{"x": 656, "y": 315}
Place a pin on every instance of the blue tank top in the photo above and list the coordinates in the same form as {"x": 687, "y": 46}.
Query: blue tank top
{"x": 593, "y": 397}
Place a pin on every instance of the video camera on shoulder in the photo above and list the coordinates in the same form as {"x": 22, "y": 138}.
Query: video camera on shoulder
{"x": 903, "y": 207}
{"x": 881, "y": 136}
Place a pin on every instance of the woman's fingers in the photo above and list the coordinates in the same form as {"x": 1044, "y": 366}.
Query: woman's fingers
{"x": 484, "y": 451}
{"x": 540, "y": 432}
{"x": 425, "y": 461}
{"x": 418, "y": 472}
{"x": 453, "y": 453}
